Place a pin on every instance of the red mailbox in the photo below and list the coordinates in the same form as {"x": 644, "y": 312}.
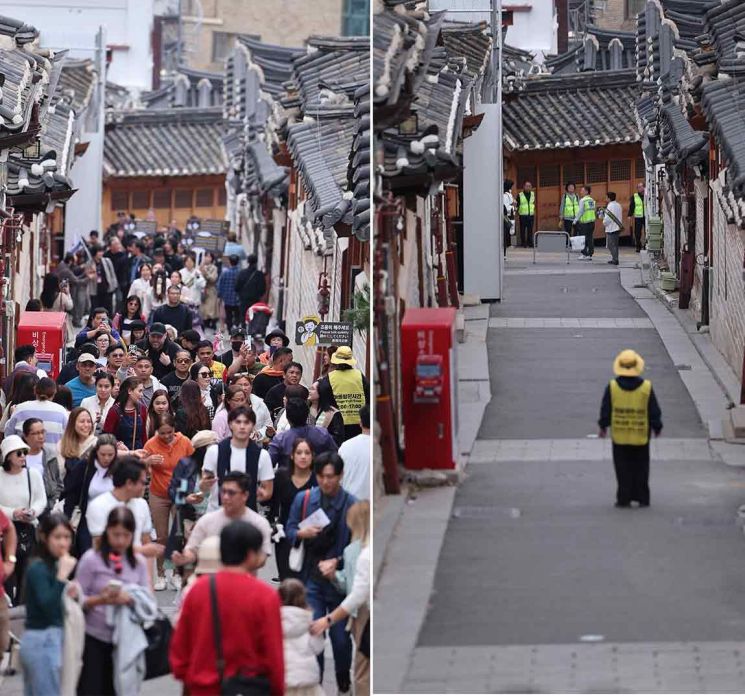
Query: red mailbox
{"x": 46, "y": 332}
{"x": 429, "y": 382}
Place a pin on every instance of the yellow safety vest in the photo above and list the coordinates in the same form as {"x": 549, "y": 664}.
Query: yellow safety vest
{"x": 349, "y": 394}
{"x": 629, "y": 419}
{"x": 638, "y": 206}
{"x": 571, "y": 206}
{"x": 526, "y": 207}
{"x": 588, "y": 215}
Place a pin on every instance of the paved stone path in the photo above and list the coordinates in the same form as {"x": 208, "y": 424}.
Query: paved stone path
{"x": 541, "y": 585}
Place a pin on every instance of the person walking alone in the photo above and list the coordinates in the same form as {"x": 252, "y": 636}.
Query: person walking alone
{"x": 631, "y": 410}
{"x": 508, "y": 214}
{"x": 585, "y": 222}
{"x": 613, "y": 226}
{"x": 526, "y": 212}
{"x": 568, "y": 208}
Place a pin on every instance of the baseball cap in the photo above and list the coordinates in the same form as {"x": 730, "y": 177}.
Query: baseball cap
{"x": 86, "y": 357}
{"x": 237, "y": 332}
{"x": 157, "y": 329}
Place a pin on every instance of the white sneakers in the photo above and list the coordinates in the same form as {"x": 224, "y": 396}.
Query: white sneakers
{"x": 170, "y": 581}
{"x": 160, "y": 584}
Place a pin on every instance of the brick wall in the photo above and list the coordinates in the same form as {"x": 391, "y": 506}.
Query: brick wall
{"x": 614, "y": 16}
{"x": 728, "y": 290}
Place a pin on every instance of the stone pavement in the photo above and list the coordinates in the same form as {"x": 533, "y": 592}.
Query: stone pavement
{"x": 540, "y": 585}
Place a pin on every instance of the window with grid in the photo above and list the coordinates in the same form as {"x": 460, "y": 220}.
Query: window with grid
{"x": 120, "y": 200}
{"x": 356, "y": 18}
{"x": 597, "y": 172}
{"x": 620, "y": 170}
{"x": 222, "y": 44}
{"x": 183, "y": 198}
{"x": 162, "y": 198}
{"x": 204, "y": 198}
{"x": 640, "y": 173}
{"x": 525, "y": 174}
{"x": 574, "y": 173}
{"x": 550, "y": 175}
{"x": 140, "y": 200}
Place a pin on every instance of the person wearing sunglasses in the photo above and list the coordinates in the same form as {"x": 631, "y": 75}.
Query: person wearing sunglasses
{"x": 173, "y": 381}
{"x": 211, "y": 389}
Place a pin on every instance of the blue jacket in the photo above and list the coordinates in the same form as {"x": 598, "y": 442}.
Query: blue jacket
{"x": 337, "y": 512}
{"x": 280, "y": 448}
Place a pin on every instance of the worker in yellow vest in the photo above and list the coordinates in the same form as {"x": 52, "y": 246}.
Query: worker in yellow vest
{"x": 631, "y": 410}
{"x": 636, "y": 211}
{"x": 345, "y": 388}
{"x": 568, "y": 208}
{"x": 584, "y": 221}
{"x": 526, "y": 213}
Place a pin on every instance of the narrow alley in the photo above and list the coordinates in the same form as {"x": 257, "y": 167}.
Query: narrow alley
{"x": 541, "y": 585}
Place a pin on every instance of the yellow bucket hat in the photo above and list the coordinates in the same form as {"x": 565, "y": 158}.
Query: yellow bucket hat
{"x": 343, "y": 356}
{"x": 628, "y": 363}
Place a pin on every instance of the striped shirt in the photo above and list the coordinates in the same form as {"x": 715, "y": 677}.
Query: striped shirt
{"x": 53, "y": 415}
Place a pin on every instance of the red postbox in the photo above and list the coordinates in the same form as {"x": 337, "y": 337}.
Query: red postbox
{"x": 46, "y": 332}
{"x": 428, "y": 381}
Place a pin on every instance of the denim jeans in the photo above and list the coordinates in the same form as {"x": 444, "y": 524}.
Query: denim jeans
{"x": 323, "y": 598}
{"x": 41, "y": 658}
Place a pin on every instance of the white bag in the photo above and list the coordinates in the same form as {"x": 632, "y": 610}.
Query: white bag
{"x": 578, "y": 242}
{"x": 297, "y": 556}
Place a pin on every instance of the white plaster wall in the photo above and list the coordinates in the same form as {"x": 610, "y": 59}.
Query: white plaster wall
{"x": 74, "y": 25}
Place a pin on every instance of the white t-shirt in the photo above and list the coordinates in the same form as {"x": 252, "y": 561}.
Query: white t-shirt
{"x": 100, "y": 483}
{"x": 34, "y": 461}
{"x": 237, "y": 463}
{"x": 212, "y": 523}
{"x": 356, "y": 477}
{"x": 98, "y": 512}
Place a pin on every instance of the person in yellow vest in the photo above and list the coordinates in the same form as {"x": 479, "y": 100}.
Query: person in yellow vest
{"x": 636, "y": 211}
{"x": 346, "y": 388}
{"x": 584, "y": 221}
{"x": 631, "y": 410}
{"x": 526, "y": 213}
{"x": 569, "y": 207}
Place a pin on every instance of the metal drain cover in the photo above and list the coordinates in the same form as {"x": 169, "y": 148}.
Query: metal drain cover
{"x": 485, "y": 512}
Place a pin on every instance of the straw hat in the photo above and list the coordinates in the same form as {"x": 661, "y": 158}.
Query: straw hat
{"x": 209, "y": 556}
{"x": 628, "y": 363}
{"x": 343, "y": 356}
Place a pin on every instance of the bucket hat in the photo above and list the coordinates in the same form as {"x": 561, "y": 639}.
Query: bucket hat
{"x": 343, "y": 356}
{"x": 628, "y": 363}
{"x": 12, "y": 443}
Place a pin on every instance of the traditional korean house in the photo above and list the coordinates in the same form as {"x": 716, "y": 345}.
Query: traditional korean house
{"x": 165, "y": 163}
{"x": 692, "y": 117}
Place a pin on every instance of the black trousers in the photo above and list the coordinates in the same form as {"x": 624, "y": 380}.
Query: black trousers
{"x": 569, "y": 229}
{"x": 506, "y": 229}
{"x": 526, "y": 230}
{"x": 588, "y": 230}
{"x": 631, "y": 463}
{"x": 232, "y": 316}
{"x": 97, "y": 675}
{"x": 638, "y": 228}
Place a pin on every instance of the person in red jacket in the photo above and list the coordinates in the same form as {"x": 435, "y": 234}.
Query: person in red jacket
{"x": 250, "y": 621}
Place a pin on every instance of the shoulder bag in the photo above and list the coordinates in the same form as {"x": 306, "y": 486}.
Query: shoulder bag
{"x": 158, "y": 643}
{"x": 297, "y": 553}
{"x": 25, "y": 531}
{"x": 239, "y": 684}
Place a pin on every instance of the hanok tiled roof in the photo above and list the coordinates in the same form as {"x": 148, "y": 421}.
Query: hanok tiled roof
{"x": 599, "y": 49}
{"x": 584, "y": 110}
{"x": 164, "y": 142}
{"x": 188, "y": 87}
{"x": 725, "y": 31}
{"x": 275, "y": 62}
{"x": 358, "y": 175}
{"x": 76, "y": 84}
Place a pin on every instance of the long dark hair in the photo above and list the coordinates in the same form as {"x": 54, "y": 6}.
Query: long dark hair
{"x": 102, "y": 441}
{"x": 49, "y": 290}
{"x": 151, "y": 415}
{"x": 190, "y": 399}
{"x": 126, "y": 386}
{"x": 138, "y": 311}
{"x": 47, "y": 525}
{"x": 22, "y": 388}
{"x": 295, "y": 445}
{"x": 123, "y": 516}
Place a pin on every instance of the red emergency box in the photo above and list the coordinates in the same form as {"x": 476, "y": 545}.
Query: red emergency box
{"x": 429, "y": 382}
{"x": 46, "y": 332}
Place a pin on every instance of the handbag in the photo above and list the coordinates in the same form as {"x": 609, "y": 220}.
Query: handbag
{"x": 239, "y": 684}
{"x": 158, "y": 642}
{"x": 25, "y": 532}
{"x": 297, "y": 553}
{"x": 77, "y": 512}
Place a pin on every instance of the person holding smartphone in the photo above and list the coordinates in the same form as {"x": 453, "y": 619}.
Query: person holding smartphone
{"x": 103, "y": 573}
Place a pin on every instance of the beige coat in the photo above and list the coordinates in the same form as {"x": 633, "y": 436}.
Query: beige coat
{"x": 209, "y": 308}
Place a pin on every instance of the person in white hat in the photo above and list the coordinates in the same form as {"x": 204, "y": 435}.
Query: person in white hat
{"x": 23, "y": 499}
{"x": 631, "y": 410}
{"x": 346, "y": 388}
{"x": 84, "y": 384}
